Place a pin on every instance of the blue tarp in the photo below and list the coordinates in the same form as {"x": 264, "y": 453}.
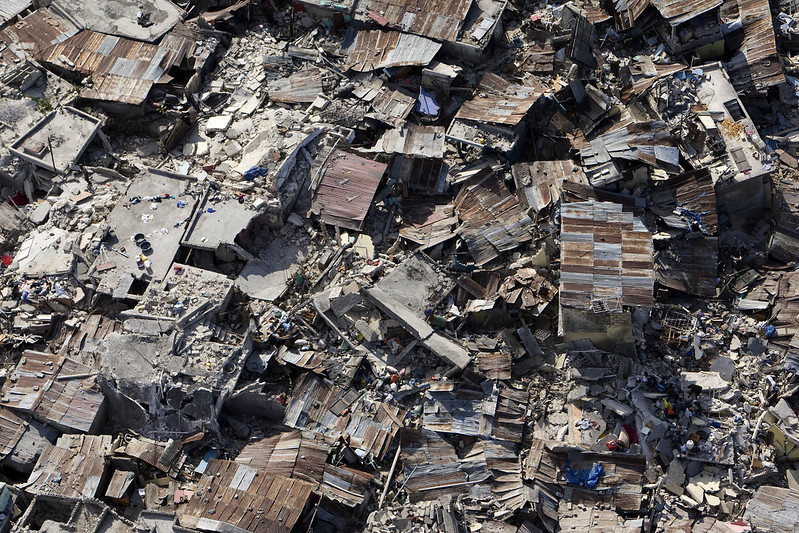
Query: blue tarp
{"x": 584, "y": 478}
{"x": 254, "y": 172}
{"x": 426, "y": 103}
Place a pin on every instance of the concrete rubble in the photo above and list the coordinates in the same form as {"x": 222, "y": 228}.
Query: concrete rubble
{"x": 469, "y": 266}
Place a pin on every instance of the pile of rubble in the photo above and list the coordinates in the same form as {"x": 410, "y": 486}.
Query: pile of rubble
{"x": 399, "y": 266}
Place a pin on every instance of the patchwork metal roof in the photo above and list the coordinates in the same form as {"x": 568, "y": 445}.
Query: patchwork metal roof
{"x": 437, "y": 19}
{"x": 606, "y": 256}
{"x": 376, "y": 49}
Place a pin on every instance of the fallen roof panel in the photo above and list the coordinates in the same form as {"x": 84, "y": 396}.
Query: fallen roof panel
{"x": 348, "y": 185}
{"x": 436, "y": 19}
{"x": 376, "y": 49}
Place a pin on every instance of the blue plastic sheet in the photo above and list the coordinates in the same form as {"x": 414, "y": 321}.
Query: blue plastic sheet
{"x": 584, "y": 478}
{"x": 426, "y": 103}
{"x": 254, "y": 172}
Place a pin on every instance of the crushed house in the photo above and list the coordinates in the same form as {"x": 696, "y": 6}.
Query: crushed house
{"x": 606, "y": 268}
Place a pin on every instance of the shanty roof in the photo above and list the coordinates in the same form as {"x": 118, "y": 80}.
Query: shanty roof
{"x": 376, "y": 49}
{"x": 348, "y": 185}
{"x": 162, "y": 455}
{"x": 297, "y": 454}
{"x": 469, "y": 411}
{"x": 689, "y": 265}
{"x": 73, "y": 468}
{"x": 56, "y": 389}
{"x": 687, "y": 199}
{"x": 34, "y": 33}
{"x": 606, "y": 256}
{"x": 303, "y": 455}
{"x": 12, "y": 427}
{"x": 538, "y": 184}
{"x": 494, "y": 221}
{"x": 247, "y": 498}
{"x": 413, "y": 139}
{"x": 436, "y": 19}
{"x": 11, "y": 8}
{"x": 628, "y": 11}
{"x": 389, "y": 105}
{"x": 757, "y": 67}
{"x": 647, "y": 142}
{"x": 504, "y": 103}
{"x": 301, "y": 87}
{"x": 678, "y": 11}
{"x": 122, "y": 70}
{"x": 774, "y": 509}
{"x": 319, "y": 405}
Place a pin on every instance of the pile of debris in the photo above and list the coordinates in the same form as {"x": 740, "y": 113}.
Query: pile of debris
{"x": 388, "y": 267}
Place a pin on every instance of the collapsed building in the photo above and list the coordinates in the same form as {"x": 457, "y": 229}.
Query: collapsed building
{"x": 395, "y": 266}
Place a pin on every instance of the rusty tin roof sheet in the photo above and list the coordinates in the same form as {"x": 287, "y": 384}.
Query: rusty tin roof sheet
{"x": 498, "y": 101}
{"x": 73, "y": 468}
{"x": 122, "y": 70}
{"x": 606, "y": 256}
{"x": 348, "y": 185}
{"x": 438, "y": 19}
{"x": 247, "y": 498}
{"x": 56, "y": 389}
{"x": 376, "y": 49}
{"x": 758, "y": 66}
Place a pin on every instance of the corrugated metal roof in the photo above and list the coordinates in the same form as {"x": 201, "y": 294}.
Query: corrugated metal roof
{"x": 426, "y": 223}
{"x": 12, "y": 427}
{"x": 299, "y": 454}
{"x": 678, "y": 11}
{"x": 376, "y": 49}
{"x": 647, "y": 142}
{"x": 494, "y": 221}
{"x": 11, "y": 8}
{"x": 122, "y": 70}
{"x": 162, "y": 455}
{"x": 437, "y": 19}
{"x": 73, "y": 468}
{"x": 538, "y": 184}
{"x": 301, "y": 87}
{"x": 251, "y": 499}
{"x": 689, "y": 265}
{"x": 628, "y": 11}
{"x": 320, "y": 406}
{"x": 56, "y": 389}
{"x": 35, "y": 33}
{"x": 348, "y": 185}
{"x": 465, "y": 411}
{"x": 691, "y": 193}
{"x": 774, "y": 508}
{"x": 498, "y": 101}
{"x": 413, "y": 139}
{"x": 758, "y": 66}
{"x": 606, "y": 256}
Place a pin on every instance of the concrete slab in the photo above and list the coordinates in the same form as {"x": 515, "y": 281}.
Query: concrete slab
{"x": 119, "y": 17}
{"x": 58, "y": 140}
{"x": 267, "y": 279}
{"x": 46, "y": 253}
{"x": 162, "y": 227}
{"x": 218, "y": 221}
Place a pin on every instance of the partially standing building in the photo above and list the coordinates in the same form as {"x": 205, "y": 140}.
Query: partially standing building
{"x": 606, "y": 271}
